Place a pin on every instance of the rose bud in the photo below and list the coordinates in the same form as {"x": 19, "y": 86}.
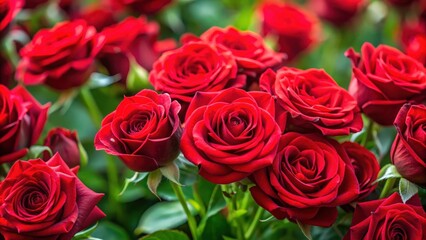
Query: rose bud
{"x": 8, "y": 10}
{"x": 64, "y": 142}
{"x": 365, "y": 165}
{"x": 230, "y": 134}
{"x": 61, "y": 57}
{"x": 144, "y": 131}
{"x": 311, "y": 100}
{"x": 195, "y": 67}
{"x": 388, "y": 218}
{"x": 139, "y": 43}
{"x": 337, "y": 12}
{"x": 22, "y": 120}
{"x": 296, "y": 30}
{"x": 383, "y": 80}
{"x": 142, "y": 6}
{"x": 45, "y": 200}
{"x": 408, "y": 152}
{"x": 310, "y": 177}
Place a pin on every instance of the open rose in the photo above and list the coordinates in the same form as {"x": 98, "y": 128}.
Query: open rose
{"x": 383, "y": 80}
{"x": 388, "y": 218}
{"x": 22, "y": 120}
{"x": 8, "y": 10}
{"x": 337, "y": 12}
{"x": 230, "y": 134}
{"x": 45, "y": 201}
{"x": 61, "y": 57}
{"x": 309, "y": 178}
{"x": 408, "y": 152}
{"x": 143, "y": 131}
{"x": 312, "y": 101}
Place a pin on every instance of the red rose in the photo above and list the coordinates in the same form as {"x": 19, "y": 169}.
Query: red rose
{"x": 388, "y": 219}
{"x": 64, "y": 142}
{"x": 8, "y": 10}
{"x": 142, "y": 6}
{"x": 45, "y": 200}
{"x": 61, "y": 57}
{"x": 295, "y": 28}
{"x": 195, "y": 67}
{"x": 383, "y": 80}
{"x": 413, "y": 40}
{"x": 408, "y": 152}
{"x": 22, "y": 120}
{"x": 337, "y": 12}
{"x": 6, "y": 71}
{"x": 34, "y": 3}
{"x": 365, "y": 165}
{"x": 401, "y": 2}
{"x": 312, "y": 101}
{"x": 144, "y": 131}
{"x": 309, "y": 178}
{"x": 98, "y": 16}
{"x": 230, "y": 134}
{"x": 139, "y": 42}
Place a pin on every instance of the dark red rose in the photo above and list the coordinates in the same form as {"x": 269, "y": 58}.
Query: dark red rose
{"x": 310, "y": 176}
{"x": 337, "y": 12}
{"x": 22, "y": 120}
{"x": 365, "y": 165}
{"x": 45, "y": 200}
{"x": 61, "y": 57}
{"x": 195, "y": 67}
{"x": 388, "y": 218}
{"x": 413, "y": 40}
{"x": 399, "y": 3}
{"x": 230, "y": 134}
{"x": 383, "y": 80}
{"x": 8, "y": 10}
{"x": 65, "y": 142}
{"x": 6, "y": 71}
{"x": 142, "y": 6}
{"x": 144, "y": 131}
{"x": 98, "y": 16}
{"x": 34, "y": 3}
{"x": 295, "y": 29}
{"x": 408, "y": 152}
{"x": 312, "y": 101}
{"x": 140, "y": 43}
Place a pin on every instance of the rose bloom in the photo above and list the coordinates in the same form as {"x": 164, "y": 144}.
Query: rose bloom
{"x": 141, "y": 6}
{"x": 296, "y": 30}
{"x": 8, "y": 10}
{"x": 139, "y": 43}
{"x": 337, "y": 12}
{"x": 413, "y": 40}
{"x": 98, "y": 16}
{"x": 388, "y": 218}
{"x": 195, "y": 67}
{"x": 408, "y": 152}
{"x": 383, "y": 80}
{"x": 61, "y": 57}
{"x": 312, "y": 101}
{"x": 45, "y": 200}
{"x": 144, "y": 131}
{"x": 310, "y": 176}
{"x": 230, "y": 134}
{"x": 22, "y": 119}
{"x": 365, "y": 165}
{"x": 65, "y": 142}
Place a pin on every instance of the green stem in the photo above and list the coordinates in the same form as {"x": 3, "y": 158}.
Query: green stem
{"x": 199, "y": 200}
{"x": 388, "y": 187}
{"x": 191, "y": 220}
{"x": 95, "y": 113}
{"x": 368, "y": 134}
{"x": 254, "y": 223}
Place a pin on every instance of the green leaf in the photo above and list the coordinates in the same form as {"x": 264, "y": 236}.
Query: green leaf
{"x": 154, "y": 179}
{"x": 83, "y": 154}
{"x": 171, "y": 172}
{"x": 85, "y": 234}
{"x": 228, "y": 238}
{"x": 166, "y": 235}
{"x": 387, "y": 171}
{"x": 407, "y": 189}
{"x": 137, "y": 177}
{"x": 109, "y": 230}
{"x": 98, "y": 80}
{"x": 37, "y": 151}
{"x": 137, "y": 79}
{"x": 163, "y": 215}
{"x": 306, "y": 230}
{"x": 216, "y": 203}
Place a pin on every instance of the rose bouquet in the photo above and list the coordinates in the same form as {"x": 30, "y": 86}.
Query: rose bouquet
{"x": 288, "y": 120}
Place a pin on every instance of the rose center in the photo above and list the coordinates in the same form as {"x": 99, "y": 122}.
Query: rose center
{"x": 137, "y": 126}
{"x": 197, "y": 68}
{"x": 33, "y": 201}
{"x": 236, "y": 125}
{"x": 398, "y": 233}
{"x": 235, "y": 45}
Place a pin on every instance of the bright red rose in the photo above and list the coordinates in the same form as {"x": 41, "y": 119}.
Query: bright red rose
{"x": 61, "y": 57}
{"x": 6, "y": 71}
{"x": 408, "y": 152}
{"x": 140, "y": 42}
{"x": 195, "y": 67}
{"x": 65, "y": 142}
{"x": 388, "y": 218}
{"x": 22, "y": 119}
{"x": 142, "y": 6}
{"x": 230, "y": 134}
{"x": 310, "y": 176}
{"x": 144, "y": 131}
{"x": 295, "y": 29}
{"x": 45, "y": 201}
{"x": 337, "y": 12}
{"x": 365, "y": 165}
{"x": 312, "y": 101}
{"x": 8, "y": 10}
{"x": 383, "y": 80}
